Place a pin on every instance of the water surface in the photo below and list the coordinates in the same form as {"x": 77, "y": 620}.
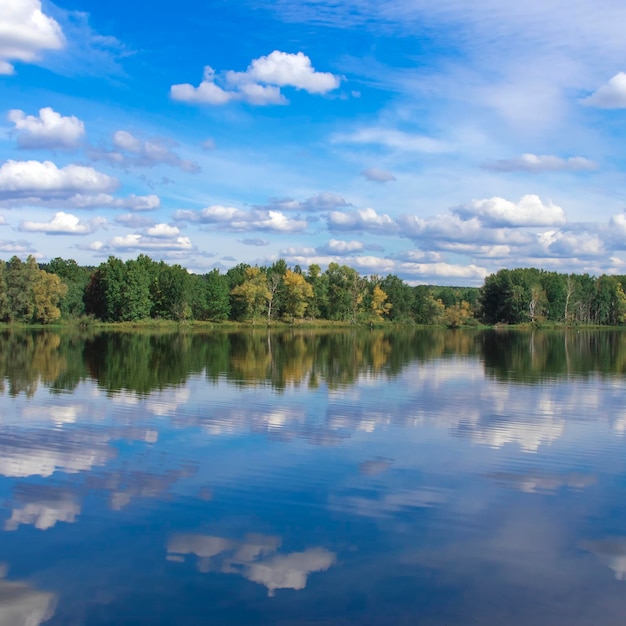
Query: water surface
{"x": 415, "y": 477}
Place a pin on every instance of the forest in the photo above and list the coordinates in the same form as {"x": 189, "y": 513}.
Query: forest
{"x": 145, "y": 289}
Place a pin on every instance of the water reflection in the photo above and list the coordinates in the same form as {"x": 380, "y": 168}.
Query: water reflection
{"x": 611, "y": 552}
{"x": 21, "y": 605}
{"x": 42, "y": 507}
{"x": 256, "y": 558}
{"x": 388, "y": 476}
{"x": 141, "y": 362}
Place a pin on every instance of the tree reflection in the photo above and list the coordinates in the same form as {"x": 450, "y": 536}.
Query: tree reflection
{"x": 141, "y": 362}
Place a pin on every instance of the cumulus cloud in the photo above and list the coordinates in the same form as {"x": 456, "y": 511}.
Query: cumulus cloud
{"x": 363, "y": 220}
{"x": 23, "y": 179}
{"x": 134, "y": 220}
{"x": 336, "y": 246}
{"x": 25, "y": 31}
{"x": 88, "y": 201}
{"x": 325, "y": 201}
{"x": 442, "y": 231}
{"x": 235, "y": 219}
{"x": 136, "y": 243}
{"x": 260, "y": 84}
{"x": 16, "y": 247}
{"x": 571, "y": 244}
{"x": 377, "y": 176}
{"x": 433, "y": 272}
{"x": 498, "y": 212}
{"x": 163, "y": 231}
{"x": 393, "y": 139}
{"x": 612, "y": 95}
{"x": 131, "y": 151}
{"x": 47, "y": 130}
{"x": 63, "y": 224}
{"x": 533, "y": 163}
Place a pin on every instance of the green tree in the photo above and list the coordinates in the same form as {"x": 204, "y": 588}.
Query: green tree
{"x": 318, "y": 307}
{"x": 400, "y": 296}
{"x": 426, "y": 308}
{"x": 211, "y": 297}
{"x": 20, "y": 278}
{"x": 170, "y": 292}
{"x": 76, "y": 278}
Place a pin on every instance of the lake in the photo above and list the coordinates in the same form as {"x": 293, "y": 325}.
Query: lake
{"x": 306, "y": 477}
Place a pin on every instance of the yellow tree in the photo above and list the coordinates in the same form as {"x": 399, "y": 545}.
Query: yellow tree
{"x": 253, "y": 292}
{"x": 298, "y": 292}
{"x": 458, "y": 314}
{"x": 47, "y": 293}
{"x": 379, "y": 306}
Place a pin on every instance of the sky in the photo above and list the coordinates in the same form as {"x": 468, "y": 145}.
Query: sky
{"x": 439, "y": 141}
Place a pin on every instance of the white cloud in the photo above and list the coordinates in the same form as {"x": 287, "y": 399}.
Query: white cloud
{"x": 24, "y": 31}
{"x": 324, "y": 201}
{"x": 432, "y": 272}
{"x": 393, "y": 139}
{"x": 336, "y": 246}
{"x": 133, "y": 220}
{"x": 163, "y": 231}
{"x": 376, "y": 175}
{"x": 361, "y": 219}
{"x": 498, "y": 212}
{"x": 373, "y": 264}
{"x": 88, "y": 201}
{"x": 16, "y": 247}
{"x": 572, "y": 245}
{"x": 37, "y": 178}
{"x": 137, "y": 242}
{"x": 49, "y": 130}
{"x": 260, "y": 84}
{"x": 284, "y": 69}
{"x": 129, "y": 150}
{"x": 239, "y": 220}
{"x": 63, "y": 224}
{"x": 612, "y": 95}
{"x": 132, "y": 202}
{"x": 542, "y": 163}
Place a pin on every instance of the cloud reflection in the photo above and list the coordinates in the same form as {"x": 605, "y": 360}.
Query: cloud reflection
{"x": 255, "y": 558}
{"x": 611, "y": 552}
{"x": 42, "y": 511}
{"x": 21, "y": 605}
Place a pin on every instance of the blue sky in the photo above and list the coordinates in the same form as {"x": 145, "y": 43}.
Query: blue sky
{"x": 436, "y": 141}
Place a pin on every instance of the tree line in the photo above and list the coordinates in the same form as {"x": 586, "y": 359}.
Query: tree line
{"x": 142, "y": 288}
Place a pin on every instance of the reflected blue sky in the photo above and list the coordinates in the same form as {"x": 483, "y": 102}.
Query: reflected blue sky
{"x": 439, "y": 496}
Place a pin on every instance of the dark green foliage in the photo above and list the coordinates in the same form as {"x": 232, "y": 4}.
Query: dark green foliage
{"x": 76, "y": 279}
{"x": 400, "y": 295}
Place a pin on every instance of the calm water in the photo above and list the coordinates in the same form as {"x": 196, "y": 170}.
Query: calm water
{"x": 313, "y": 478}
